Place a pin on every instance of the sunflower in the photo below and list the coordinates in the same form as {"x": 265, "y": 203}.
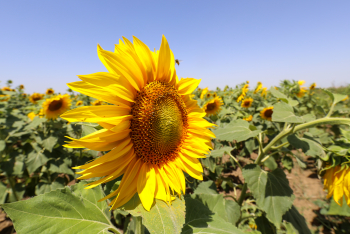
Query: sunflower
{"x": 301, "y": 92}
{"x": 245, "y": 89}
{"x": 312, "y": 86}
{"x": 213, "y": 106}
{"x": 31, "y": 115}
{"x": 6, "y": 89}
{"x": 79, "y": 103}
{"x": 54, "y": 107}
{"x": 208, "y": 95}
{"x": 258, "y": 87}
{"x": 249, "y": 118}
{"x": 266, "y": 113}
{"x": 204, "y": 91}
{"x": 263, "y": 92}
{"x": 96, "y": 103}
{"x": 21, "y": 87}
{"x": 301, "y": 82}
{"x": 50, "y": 91}
{"x": 246, "y": 103}
{"x": 215, "y": 95}
{"x": 337, "y": 182}
{"x": 154, "y": 131}
{"x": 4, "y": 97}
{"x": 35, "y": 97}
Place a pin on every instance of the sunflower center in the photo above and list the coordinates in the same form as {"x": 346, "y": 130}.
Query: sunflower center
{"x": 55, "y": 105}
{"x": 159, "y": 123}
{"x": 246, "y": 103}
{"x": 268, "y": 113}
{"x": 211, "y": 106}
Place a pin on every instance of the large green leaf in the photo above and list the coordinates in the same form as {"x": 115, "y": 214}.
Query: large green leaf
{"x": 35, "y": 160}
{"x": 271, "y": 190}
{"x": 282, "y": 112}
{"x": 309, "y": 146}
{"x": 64, "y": 211}
{"x": 297, "y": 220}
{"x": 162, "y": 218}
{"x": 200, "y": 219}
{"x": 335, "y": 209}
{"x": 334, "y": 96}
{"x": 238, "y": 130}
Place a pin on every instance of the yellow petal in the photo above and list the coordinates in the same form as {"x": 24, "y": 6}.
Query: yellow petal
{"x": 145, "y": 55}
{"x": 146, "y": 186}
{"x": 164, "y": 60}
{"x": 187, "y": 85}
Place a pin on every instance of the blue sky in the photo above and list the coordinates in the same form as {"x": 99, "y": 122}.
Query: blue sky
{"x": 47, "y": 43}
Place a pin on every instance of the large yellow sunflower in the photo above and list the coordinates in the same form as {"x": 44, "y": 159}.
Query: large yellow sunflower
{"x": 266, "y": 113}
{"x": 54, "y": 107}
{"x": 212, "y": 107}
{"x": 35, "y": 97}
{"x": 337, "y": 182}
{"x": 154, "y": 131}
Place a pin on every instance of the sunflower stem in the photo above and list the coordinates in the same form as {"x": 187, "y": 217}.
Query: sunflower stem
{"x": 235, "y": 159}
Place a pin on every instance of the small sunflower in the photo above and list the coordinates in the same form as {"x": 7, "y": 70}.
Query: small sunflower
{"x": 337, "y": 182}
{"x": 266, "y": 113}
{"x": 204, "y": 91}
{"x": 301, "y": 92}
{"x": 240, "y": 97}
{"x": 153, "y": 130}
{"x": 6, "y": 89}
{"x": 79, "y": 103}
{"x": 54, "y": 107}
{"x": 4, "y": 97}
{"x": 245, "y": 89}
{"x": 246, "y": 103}
{"x": 213, "y": 106}
{"x": 21, "y": 87}
{"x": 50, "y": 91}
{"x": 258, "y": 87}
{"x": 263, "y": 92}
{"x": 301, "y": 82}
{"x": 215, "y": 95}
{"x": 208, "y": 95}
{"x": 31, "y": 115}
{"x": 249, "y": 118}
{"x": 35, "y": 97}
{"x": 313, "y": 86}
{"x": 96, "y": 103}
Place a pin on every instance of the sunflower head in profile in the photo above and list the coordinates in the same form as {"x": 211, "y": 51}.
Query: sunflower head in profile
{"x": 35, "y": 97}
{"x": 54, "y": 107}
{"x": 6, "y": 89}
{"x": 79, "y": 103}
{"x": 263, "y": 92}
{"x": 50, "y": 91}
{"x": 213, "y": 106}
{"x": 249, "y": 118}
{"x": 204, "y": 91}
{"x": 266, "y": 113}
{"x": 258, "y": 87}
{"x": 96, "y": 103}
{"x": 4, "y": 97}
{"x": 21, "y": 87}
{"x": 312, "y": 86}
{"x": 246, "y": 103}
{"x": 301, "y": 92}
{"x": 337, "y": 182}
{"x": 153, "y": 130}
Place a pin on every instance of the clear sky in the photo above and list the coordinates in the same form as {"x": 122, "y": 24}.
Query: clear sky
{"x": 47, "y": 43}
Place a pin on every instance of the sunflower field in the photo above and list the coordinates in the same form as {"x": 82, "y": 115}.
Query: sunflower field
{"x": 139, "y": 150}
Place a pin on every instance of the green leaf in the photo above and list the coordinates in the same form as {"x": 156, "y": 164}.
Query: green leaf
{"x": 335, "y": 209}
{"x": 271, "y": 190}
{"x": 86, "y": 130}
{"x": 162, "y": 218}
{"x": 50, "y": 142}
{"x": 220, "y": 152}
{"x": 308, "y": 117}
{"x": 287, "y": 162}
{"x": 43, "y": 187}
{"x": 283, "y": 97}
{"x": 228, "y": 210}
{"x": 282, "y": 112}
{"x": 35, "y": 123}
{"x": 3, "y": 193}
{"x": 64, "y": 211}
{"x": 35, "y": 160}
{"x": 200, "y": 219}
{"x": 2, "y": 145}
{"x": 61, "y": 166}
{"x": 19, "y": 189}
{"x": 236, "y": 130}
{"x": 206, "y": 187}
{"x": 334, "y": 96}
{"x": 297, "y": 220}
{"x": 271, "y": 163}
{"x": 264, "y": 226}
{"x": 309, "y": 146}
{"x": 135, "y": 226}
